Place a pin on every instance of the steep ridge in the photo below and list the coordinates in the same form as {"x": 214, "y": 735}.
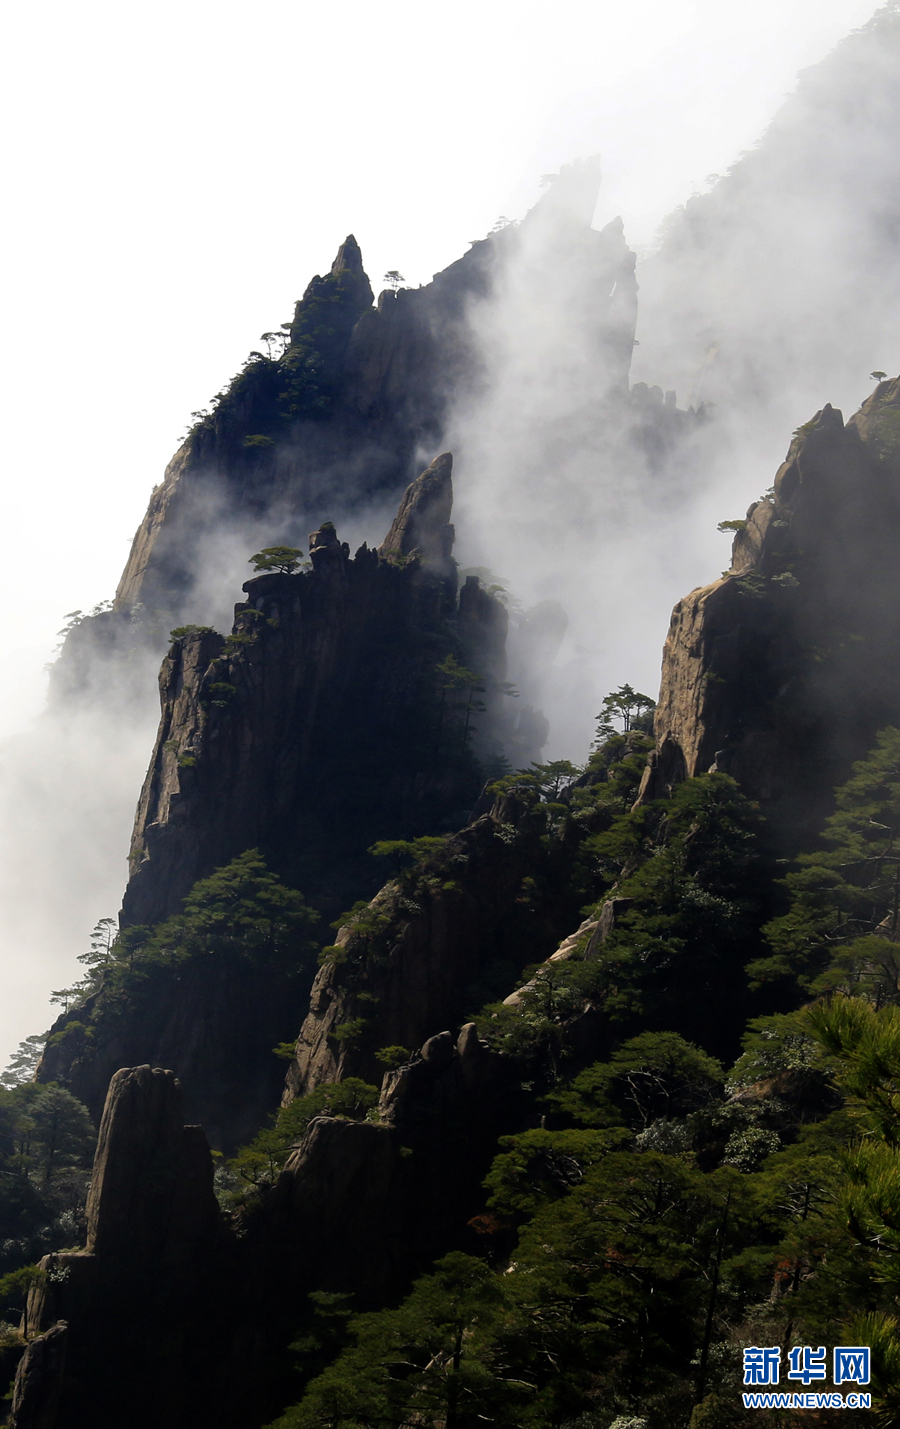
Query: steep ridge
{"x": 328, "y": 414}
{"x": 311, "y": 729}
{"x": 337, "y": 423}
{"x": 430, "y": 948}
{"x": 781, "y": 672}
{"x": 359, "y": 390}
{"x": 336, "y": 714}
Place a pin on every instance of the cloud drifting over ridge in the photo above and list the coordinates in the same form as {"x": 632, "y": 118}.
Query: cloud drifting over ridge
{"x": 774, "y": 293}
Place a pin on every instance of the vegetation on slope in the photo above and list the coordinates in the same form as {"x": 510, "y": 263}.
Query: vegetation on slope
{"x": 723, "y": 1175}
{"x": 666, "y": 1214}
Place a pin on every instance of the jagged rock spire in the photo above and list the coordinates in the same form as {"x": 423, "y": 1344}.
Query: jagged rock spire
{"x": 148, "y": 1170}
{"x": 349, "y": 258}
{"x": 348, "y": 292}
{"x": 348, "y": 269}
{"x": 422, "y": 522}
{"x": 781, "y": 672}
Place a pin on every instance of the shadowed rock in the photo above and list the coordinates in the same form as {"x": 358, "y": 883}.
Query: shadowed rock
{"x": 138, "y": 1302}
{"x": 429, "y": 953}
{"x": 423, "y": 521}
{"x": 136, "y": 1165}
{"x": 781, "y": 672}
{"x": 362, "y": 1207}
{"x": 39, "y": 1378}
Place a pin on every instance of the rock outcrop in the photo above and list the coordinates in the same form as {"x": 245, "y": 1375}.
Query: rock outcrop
{"x": 581, "y": 946}
{"x": 359, "y": 389}
{"x": 39, "y": 1381}
{"x": 322, "y": 724}
{"x": 781, "y": 672}
{"x": 422, "y": 524}
{"x": 133, "y": 1313}
{"x": 151, "y": 1191}
{"x": 267, "y": 736}
{"x": 427, "y": 950}
{"x": 170, "y": 1318}
{"x": 362, "y": 1207}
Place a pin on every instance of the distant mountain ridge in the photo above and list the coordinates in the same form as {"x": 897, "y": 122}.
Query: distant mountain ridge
{"x": 780, "y": 287}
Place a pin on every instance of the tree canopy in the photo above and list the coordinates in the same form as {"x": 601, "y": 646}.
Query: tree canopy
{"x": 842, "y": 930}
{"x": 623, "y": 710}
{"x": 284, "y": 559}
{"x": 46, "y": 1149}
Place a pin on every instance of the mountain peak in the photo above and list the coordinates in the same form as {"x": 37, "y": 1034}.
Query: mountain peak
{"x": 349, "y": 258}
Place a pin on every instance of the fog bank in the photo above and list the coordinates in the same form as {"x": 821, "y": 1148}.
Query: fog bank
{"x": 774, "y": 293}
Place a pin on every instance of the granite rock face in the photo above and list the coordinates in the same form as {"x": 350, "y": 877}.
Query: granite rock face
{"x": 781, "y": 672}
{"x": 319, "y": 726}
{"x": 39, "y": 1380}
{"x": 135, "y": 1312}
{"x": 267, "y": 736}
{"x": 151, "y": 1194}
{"x": 415, "y": 959}
{"x": 333, "y": 1214}
{"x": 362, "y": 1207}
{"x": 422, "y": 524}
{"x": 341, "y": 414}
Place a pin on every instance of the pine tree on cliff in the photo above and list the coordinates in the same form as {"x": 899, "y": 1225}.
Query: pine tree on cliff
{"x": 842, "y": 932}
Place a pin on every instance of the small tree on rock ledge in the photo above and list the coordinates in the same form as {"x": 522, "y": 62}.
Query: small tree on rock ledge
{"x": 627, "y": 706}
{"x": 284, "y": 559}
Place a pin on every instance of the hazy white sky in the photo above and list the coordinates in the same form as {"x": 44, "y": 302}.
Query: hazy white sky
{"x": 174, "y": 175}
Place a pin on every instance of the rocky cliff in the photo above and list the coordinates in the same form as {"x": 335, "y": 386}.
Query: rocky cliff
{"x": 130, "y": 1319}
{"x": 364, "y": 1206}
{"x": 778, "y": 672}
{"x": 311, "y": 729}
{"x": 431, "y": 947}
{"x": 781, "y": 672}
{"x": 341, "y": 414}
{"x": 170, "y": 1316}
{"x": 341, "y": 710}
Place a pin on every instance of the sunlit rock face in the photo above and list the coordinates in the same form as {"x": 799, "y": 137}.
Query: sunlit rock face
{"x": 782, "y": 671}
